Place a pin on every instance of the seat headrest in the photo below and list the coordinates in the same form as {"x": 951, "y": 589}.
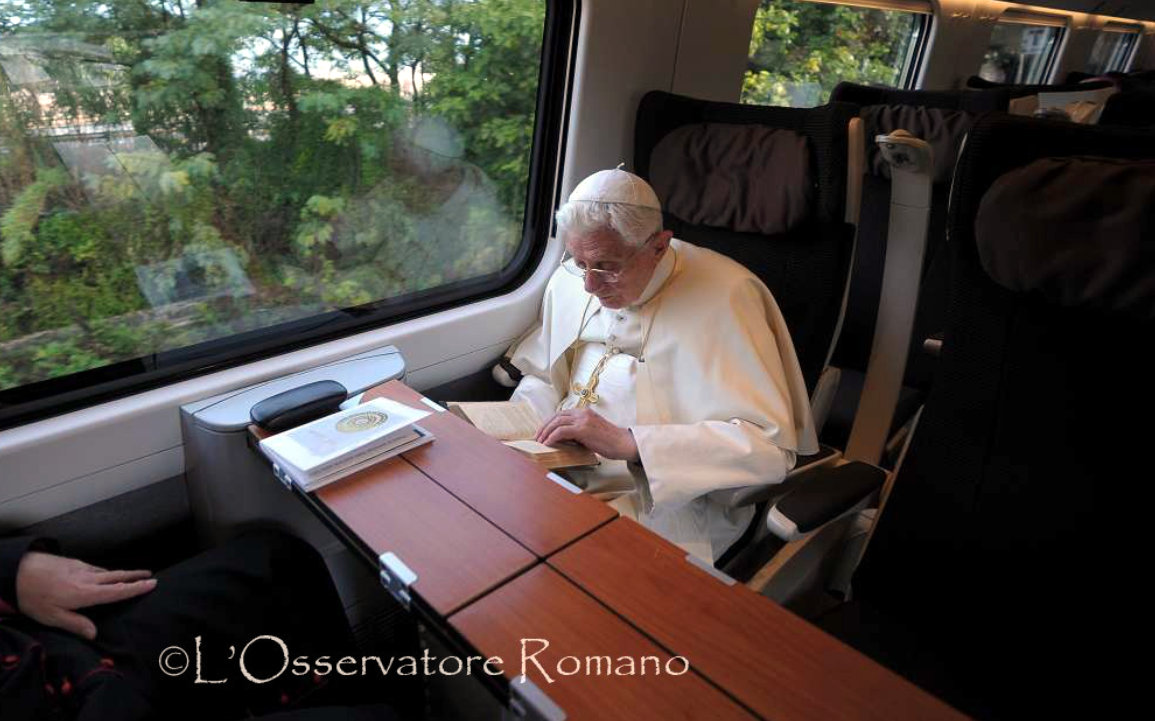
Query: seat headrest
{"x": 746, "y": 178}
{"x": 1017, "y": 91}
{"x": 943, "y": 129}
{"x": 1079, "y": 231}
{"x": 970, "y": 100}
{"x": 1134, "y": 109}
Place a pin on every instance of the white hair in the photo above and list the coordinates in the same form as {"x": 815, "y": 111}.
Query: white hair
{"x": 634, "y": 223}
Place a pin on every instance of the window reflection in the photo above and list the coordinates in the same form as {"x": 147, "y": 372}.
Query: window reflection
{"x": 1112, "y": 52}
{"x": 1019, "y": 54}
{"x": 174, "y": 172}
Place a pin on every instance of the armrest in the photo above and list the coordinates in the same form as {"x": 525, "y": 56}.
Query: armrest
{"x": 750, "y": 495}
{"x": 821, "y": 496}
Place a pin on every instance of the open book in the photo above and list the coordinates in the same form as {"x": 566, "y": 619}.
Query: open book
{"x": 337, "y": 445}
{"x": 515, "y": 423}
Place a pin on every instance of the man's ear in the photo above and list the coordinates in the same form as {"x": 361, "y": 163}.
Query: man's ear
{"x": 662, "y": 241}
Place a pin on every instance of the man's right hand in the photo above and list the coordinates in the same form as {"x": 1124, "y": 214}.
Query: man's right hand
{"x": 589, "y": 428}
{"x": 49, "y": 590}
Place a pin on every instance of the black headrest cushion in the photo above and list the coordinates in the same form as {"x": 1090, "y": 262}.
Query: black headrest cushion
{"x": 745, "y": 178}
{"x": 1080, "y": 231}
{"x": 943, "y": 129}
{"x": 1020, "y": 91}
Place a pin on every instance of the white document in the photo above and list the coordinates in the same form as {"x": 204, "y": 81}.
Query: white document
{"x": 339, "y": 442}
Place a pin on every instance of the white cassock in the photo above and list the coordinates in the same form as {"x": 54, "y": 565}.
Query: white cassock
{"x": 706, "y": 378}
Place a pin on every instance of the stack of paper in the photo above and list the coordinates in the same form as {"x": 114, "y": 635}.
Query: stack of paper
{"x": 337, "y": 445}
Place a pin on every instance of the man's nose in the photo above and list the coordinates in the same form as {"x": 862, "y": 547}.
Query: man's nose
{"x": 593, "y": 281}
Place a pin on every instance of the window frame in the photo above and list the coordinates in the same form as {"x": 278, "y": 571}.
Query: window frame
{"x": 36, "y": 401}
{"x": 916, "y": 56}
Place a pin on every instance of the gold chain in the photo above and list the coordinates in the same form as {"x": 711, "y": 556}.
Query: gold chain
{"x": 587, "y": 394}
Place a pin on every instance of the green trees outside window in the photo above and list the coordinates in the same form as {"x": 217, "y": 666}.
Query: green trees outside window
{"x": 800, "y": 50}
{"x": 176, "y": 171}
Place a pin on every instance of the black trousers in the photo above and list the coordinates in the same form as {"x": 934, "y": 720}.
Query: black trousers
{"x": 261, "y": 605}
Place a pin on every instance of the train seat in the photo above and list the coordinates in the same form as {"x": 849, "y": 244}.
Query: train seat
{"x": 1000, "y": 557}
{"x": 942, "y": 118}
{"x": 1130, "y": 108}
{"x": 974, "y": 82}
{"x": 970, "y": 100}
{"x": 765, "y": 186}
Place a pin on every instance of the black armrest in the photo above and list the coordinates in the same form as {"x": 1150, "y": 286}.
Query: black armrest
{"x": 299, "y": 405}
{"x": 821, "y": 496}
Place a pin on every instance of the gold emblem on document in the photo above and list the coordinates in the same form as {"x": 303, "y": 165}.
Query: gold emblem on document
{"x": 361, "y": 421}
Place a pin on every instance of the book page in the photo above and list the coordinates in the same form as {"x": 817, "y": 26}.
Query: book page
{"x": 505, "y": 420}
{"x": 528, "y": 446}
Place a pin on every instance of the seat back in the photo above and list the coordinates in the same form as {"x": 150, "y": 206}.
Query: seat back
{"x": 1132, "y": 109}
{"x": 971, "y": 101}
{"x": 974, "y": 82}
{"x": 941, "y": 120}
{"x": 1141, "y": 80}
{"x": 1010, "y": 518}
{"x": 1077, "y": 76}
{"x": 765, "y": 186}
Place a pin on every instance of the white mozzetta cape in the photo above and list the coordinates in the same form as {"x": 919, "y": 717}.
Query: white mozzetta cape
{"x": 719, "y": 389}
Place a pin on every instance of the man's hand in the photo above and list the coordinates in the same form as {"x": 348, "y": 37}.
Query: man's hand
{"x": 586, "y": 427}
{"x": 50, "y": 588}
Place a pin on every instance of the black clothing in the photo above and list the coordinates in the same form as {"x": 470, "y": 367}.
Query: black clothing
{"x": 261, "y": 584}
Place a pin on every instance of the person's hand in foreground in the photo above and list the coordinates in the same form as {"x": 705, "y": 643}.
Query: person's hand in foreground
{"x": 587, "y": 427}
{"x": 50, "y": 589}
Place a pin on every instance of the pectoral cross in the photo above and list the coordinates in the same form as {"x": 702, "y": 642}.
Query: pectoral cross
{"x": 587, "y": 394}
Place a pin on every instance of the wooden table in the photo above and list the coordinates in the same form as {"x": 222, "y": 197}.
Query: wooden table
{"x": 540, "y": 607}
{"x": 502, "y": 554}
{"x": 499, "y": 483}
{"x": 770, "y": 660}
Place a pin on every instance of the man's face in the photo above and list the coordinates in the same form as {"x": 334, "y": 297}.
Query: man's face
{"x": 606, "y": 250}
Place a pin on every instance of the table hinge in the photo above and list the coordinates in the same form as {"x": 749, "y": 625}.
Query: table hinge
{"x": 396, "y": 577}
{"x": 527, "y": 702}
{"x": 282, "y": 477}
{"x": 708, "y": 568}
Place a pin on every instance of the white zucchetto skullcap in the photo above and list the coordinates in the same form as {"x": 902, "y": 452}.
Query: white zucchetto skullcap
{"x": 616, "y": 186}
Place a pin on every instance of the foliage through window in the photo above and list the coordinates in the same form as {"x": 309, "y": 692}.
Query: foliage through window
{"x": 799, "y": 50}
{"x": 178, "y": 171}
{"x": 1019, "y": 53}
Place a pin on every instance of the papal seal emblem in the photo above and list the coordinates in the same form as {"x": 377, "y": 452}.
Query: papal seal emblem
{"x": 361, "y": 421}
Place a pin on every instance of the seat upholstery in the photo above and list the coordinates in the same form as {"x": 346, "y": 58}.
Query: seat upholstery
{"x": 1132, "y": 109}
{"x": 942, "y": 118}
{"x": 974, "y": 82}
{"x": 1001, "y": 560}
{"x": 765, "y": 186}
{"x": 971, "y": 100}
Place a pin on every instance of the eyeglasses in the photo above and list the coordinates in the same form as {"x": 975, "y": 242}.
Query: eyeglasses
{"x": 572, "y": 266}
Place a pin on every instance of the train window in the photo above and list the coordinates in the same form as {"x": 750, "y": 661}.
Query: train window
{"x": 187, "y": 184}
{"x": 1022, "y": 48}
{"x": 801, "y": 49}
{"x": 1113, "y": 48}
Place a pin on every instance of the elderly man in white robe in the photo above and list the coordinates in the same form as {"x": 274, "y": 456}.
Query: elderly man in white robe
{"x": 670, "y": 361}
